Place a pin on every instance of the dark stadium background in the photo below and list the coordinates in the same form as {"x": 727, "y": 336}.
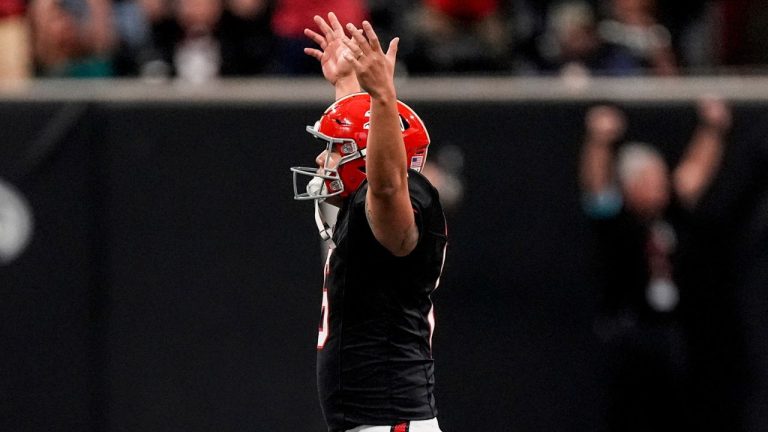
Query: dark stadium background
{"x": 173, "y": 284}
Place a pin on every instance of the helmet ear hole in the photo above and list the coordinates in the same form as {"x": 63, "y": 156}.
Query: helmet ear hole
{"x": 405, "y": 123}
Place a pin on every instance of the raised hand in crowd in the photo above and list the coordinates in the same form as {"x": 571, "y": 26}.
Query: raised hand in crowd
{"x": 703, "y": 156}
{"x": 605, "y": 124}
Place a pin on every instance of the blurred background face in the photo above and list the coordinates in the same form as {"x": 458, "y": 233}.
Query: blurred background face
{"x": 578, "y": 41}
{"x": 56, "y": 29}
{"x": 646, "y": 193}
{"x": 247, "y": 8}
{"x": 199, "y": 16}
{"x": 573, "y": 24}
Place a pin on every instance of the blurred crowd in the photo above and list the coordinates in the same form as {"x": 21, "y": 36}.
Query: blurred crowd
{"x": 198, "y": 40}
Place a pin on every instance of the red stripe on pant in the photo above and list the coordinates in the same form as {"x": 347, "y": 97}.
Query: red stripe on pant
{"x": 402, "y": 427}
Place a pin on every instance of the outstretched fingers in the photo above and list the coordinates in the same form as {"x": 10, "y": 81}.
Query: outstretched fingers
{"x": 316, "y": 38}
{"x": 324, "y": 27}
{"x": 359, "y": 38}
{"x": 353, "y": 51}
{"x": 373, "y": 39}
{"x": 315, "y": 53}
{"x": 392, "y": 50}
{"x": 335, "y": 24}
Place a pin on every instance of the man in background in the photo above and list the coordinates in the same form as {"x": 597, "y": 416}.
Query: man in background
{"x": 642, "y": 218}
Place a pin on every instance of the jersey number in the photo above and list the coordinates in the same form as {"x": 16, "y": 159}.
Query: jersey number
{"x": 322, "y": 333}
{"x": 324, "y": 328}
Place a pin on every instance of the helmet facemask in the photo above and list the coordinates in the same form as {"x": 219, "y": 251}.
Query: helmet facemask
{"x": 326, "y": 182}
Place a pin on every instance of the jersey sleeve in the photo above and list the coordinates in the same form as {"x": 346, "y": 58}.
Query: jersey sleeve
{"x": 425, "y": 201}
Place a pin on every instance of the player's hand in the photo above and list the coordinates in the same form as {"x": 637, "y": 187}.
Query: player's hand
{"x": 605, "y": 124}
{"x": 715, "y": 113}
{"x": 331, "y": 53}
{"x": 375, "y": 69}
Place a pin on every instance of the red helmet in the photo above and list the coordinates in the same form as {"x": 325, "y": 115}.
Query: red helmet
{"x": 344, "y": 128}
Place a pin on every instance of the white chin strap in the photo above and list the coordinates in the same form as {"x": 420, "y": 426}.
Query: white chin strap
{"x": 325, "y": 214}
{"x": 325, "y": 218}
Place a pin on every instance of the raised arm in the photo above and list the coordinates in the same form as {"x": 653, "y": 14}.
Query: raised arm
{"x": 336, "y": 69}
{"x": 605, "y": 125}
{"x": 703, "y": 156}
{"x": 388, "y": 203}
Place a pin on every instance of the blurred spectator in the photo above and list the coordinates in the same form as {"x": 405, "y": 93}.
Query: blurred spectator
{"x": 633, "y": 25}
{"x": 134, "y": 20}
{"x": 72, "y": 38}
{"x": 458, "y": 36}
{"x": 200, "y": 40}
{"x": 251, "y": 46}
{"x": 148, "y": 36}
{"x": 290, "y": 19}
{"x": 572, "y": 44}
{"x": 640, "y": 213}
{"x": 15, "y": 48}
{"x": 693, "y": 25}
{"x": 197, "y": 54}
{"x": 155, "y": 38}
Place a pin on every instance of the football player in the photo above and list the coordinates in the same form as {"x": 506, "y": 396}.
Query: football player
{"x": 374, "y": 363}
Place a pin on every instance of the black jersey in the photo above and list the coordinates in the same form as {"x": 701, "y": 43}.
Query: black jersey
{"x": 374, "y": 361}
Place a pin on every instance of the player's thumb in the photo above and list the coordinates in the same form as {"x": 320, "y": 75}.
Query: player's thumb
{"x": 392, "y": 50}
